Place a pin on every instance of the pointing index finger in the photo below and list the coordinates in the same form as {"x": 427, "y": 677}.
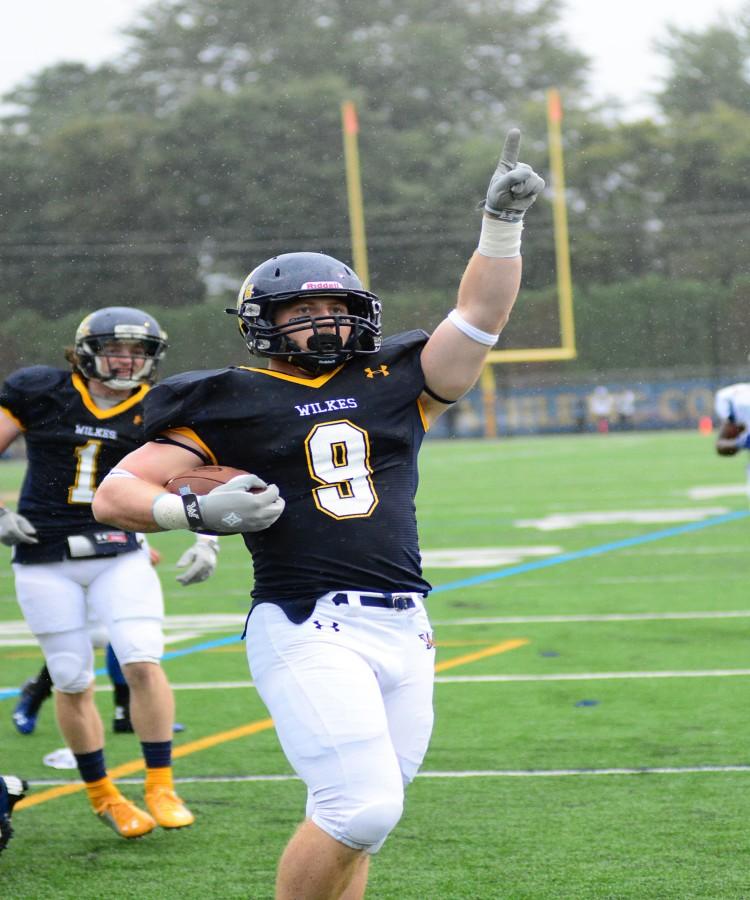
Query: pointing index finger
{"x": 511, "y": 147}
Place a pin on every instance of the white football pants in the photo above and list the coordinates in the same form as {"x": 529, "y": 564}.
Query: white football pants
{"x": 350, "y": 693}
{"x": 60, "y": 599}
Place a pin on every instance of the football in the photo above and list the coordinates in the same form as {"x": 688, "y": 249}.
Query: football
{"x": 731, "y": 430}
{"x": 204, "y": 479}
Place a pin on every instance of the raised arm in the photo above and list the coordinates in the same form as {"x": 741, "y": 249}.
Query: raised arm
{"x": 453, "y": 358}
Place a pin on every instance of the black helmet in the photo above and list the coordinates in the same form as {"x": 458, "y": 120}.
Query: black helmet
{"x": 119, "y": 323}
{"x": 292, "y": 275}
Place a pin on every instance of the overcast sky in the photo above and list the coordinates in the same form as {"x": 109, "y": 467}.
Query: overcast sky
{"x": 616, "y": 34}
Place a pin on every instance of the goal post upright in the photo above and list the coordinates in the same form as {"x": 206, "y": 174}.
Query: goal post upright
{"x": 350, "y": 129}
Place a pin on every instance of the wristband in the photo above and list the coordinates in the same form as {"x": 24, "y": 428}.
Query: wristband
{"x": 498, "y": 239}
{"x": 169, "y": 512}
{"x": 471, "y": 331}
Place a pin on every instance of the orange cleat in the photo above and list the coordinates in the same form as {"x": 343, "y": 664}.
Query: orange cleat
{"x": 124, "y": 817}
{"x": 167, "y": 808}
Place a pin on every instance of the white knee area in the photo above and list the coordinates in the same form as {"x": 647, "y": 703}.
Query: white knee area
{"x": 370, "y": 825}
{"x": 69, "y": 673}
{"x": 98, "y": 634}
{"x": 137, "y": 640}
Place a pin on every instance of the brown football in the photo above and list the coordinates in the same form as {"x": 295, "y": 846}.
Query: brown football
{"x": 731, "y": 430}
{"x": 203, "y": 479}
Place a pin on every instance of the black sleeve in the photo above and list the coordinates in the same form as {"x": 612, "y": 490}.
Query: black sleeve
{"x": 181, "y": 401}
{"x": 26, "y": 388}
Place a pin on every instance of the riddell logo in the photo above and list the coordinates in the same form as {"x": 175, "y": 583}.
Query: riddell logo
{"x": 322, "y": 286}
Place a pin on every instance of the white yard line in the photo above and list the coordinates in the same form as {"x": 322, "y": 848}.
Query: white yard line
{"x": 16, "y": 632}
{"x": 594, "y": 676}
{"x": 480, "y": 679}
{"x": 603, "y": 617}
{"x": 469, "y": 773}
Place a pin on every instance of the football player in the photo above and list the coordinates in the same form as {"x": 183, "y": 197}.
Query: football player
{"x": 338, "y": 639}
{"x": 732, "y": 408}
{"x": 12, "y": 789}
{"x": 76, "y": 425}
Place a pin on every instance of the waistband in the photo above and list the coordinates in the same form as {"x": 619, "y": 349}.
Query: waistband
{"x": 396, "y": 600}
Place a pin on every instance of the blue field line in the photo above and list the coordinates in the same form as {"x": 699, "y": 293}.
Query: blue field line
{"x": 533, "y": 566}
{"x": 171, "y": 654}
{"x": 591, "y": 551}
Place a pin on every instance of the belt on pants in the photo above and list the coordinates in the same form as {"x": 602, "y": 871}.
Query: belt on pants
{"x": 398, "y": 600}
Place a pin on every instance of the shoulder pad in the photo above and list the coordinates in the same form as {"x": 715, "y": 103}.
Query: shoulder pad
{"x": 187, "y": 380}
{"x": 36, "y": 379}
{"x": 406, "y": 339}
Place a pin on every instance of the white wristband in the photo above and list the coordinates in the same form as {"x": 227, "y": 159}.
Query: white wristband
{"x": 476, "y": 334}
{"x": 168, "y": 511}
{"x": 499, "y": 239}
{"x": 208, "y": 539}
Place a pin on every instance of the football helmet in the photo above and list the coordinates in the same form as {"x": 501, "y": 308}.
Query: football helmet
{"x": 293, "y": 275}
{"x": 119, "y": 323}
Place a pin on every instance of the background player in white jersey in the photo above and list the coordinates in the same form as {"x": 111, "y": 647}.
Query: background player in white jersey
{"x": 76, "y": 425}
{"x": 338, "y": 640}
{"x": 732, "y": 408}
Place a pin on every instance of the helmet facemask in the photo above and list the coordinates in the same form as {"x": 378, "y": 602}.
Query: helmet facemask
{"x": 100, "y": 341}
{"x": 302, "y": 275}
{"x": 95, "y": 354}
{"x": 325, "y": 348}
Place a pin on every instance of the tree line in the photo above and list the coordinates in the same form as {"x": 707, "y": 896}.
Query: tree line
{"x": 160, "y": 178}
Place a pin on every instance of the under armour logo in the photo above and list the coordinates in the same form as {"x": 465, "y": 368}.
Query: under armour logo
{"x": 428, "y": 639}
{"x": 320, "y": 625}
{"x": 383, "y": 370}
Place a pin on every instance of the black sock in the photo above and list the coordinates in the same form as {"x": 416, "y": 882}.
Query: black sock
{"x": 91, "y": 765}
{"x": 158, "y": 754}
{"x": 38, "y": 689}
{"x": 122, "y": 696}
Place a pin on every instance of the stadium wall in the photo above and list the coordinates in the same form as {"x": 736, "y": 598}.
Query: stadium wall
{"x": 545, "y": 409}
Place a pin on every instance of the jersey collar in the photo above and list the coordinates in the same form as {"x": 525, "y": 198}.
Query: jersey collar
{"x": 307, "y": 382}
{"x": 80, "y": 385}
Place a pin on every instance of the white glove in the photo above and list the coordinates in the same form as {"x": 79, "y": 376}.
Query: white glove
{"x": 199, "y": 561}
{"x": 514, "y": 186}
{"x": 15, "y": 529}
{"x": 230, "y": 508}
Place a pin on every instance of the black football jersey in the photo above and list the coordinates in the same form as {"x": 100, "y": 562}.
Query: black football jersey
{"x": 342, "y": 449}
{"x": 71, "y": 444}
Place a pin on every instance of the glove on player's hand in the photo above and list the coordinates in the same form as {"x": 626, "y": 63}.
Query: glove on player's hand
{"x": 16, "y": 529}
{"x": 199, "y": 562}
{"x": 231, "y": 508}
{"x": 514, "y": 186}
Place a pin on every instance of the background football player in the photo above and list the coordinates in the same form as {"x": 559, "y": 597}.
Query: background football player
{"x": 732, "y": 408}
{"x": 76, "y": 424}
{"x": 12, "y": 789}
{"x": 338, "y": 640}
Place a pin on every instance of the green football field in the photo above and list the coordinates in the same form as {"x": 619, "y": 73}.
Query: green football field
{"x": 592, "y": 738}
